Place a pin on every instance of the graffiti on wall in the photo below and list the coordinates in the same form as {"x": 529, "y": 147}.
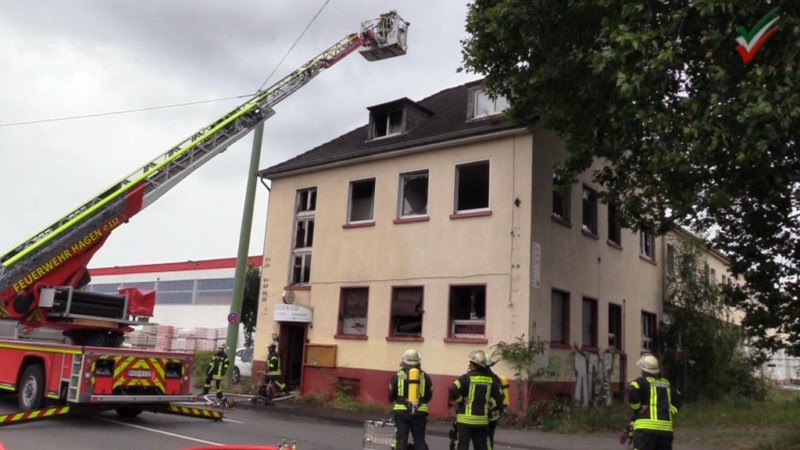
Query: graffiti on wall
{"x": 593, "y": 375}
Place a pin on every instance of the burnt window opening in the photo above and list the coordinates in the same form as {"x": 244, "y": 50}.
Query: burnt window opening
{"x": 353, "y": 305}
{"x": 590, "y": 210}
{"x": 406, "y": 312}
{"x": 414, "y": 194}
{"x": 614, "y": 227}
{"x": 467, "y": 308}
{"x": 472, "y": 186}
{"x": 559, "y": 317}
{"x": 362, "y": 200}
{"x": 561, "y": 199}
{"x": 387, "y": 123}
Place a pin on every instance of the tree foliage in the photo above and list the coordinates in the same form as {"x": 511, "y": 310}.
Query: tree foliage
{"x": 252, "y": 282}
{"x": 689, "y": 133}
{"x": 701, "y": 350}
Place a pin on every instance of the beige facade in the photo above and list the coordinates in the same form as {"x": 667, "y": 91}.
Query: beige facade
{"x": 521, "y": 255}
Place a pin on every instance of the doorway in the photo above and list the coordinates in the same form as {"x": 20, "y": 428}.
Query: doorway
{"x": 291, "y": 345}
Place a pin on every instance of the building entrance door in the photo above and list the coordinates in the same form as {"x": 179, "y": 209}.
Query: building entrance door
{"x": 292, "y": 344}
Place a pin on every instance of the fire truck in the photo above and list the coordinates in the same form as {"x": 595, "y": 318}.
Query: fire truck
{"x": 60, "y": 343}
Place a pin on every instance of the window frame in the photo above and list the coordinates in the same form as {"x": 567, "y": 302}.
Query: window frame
{"x": 305, "y": 213}
{"x": 498, "y": 104}
{"x": 402, "y": 194}
{"x": 649, "y": 332}
{"x": 561, "y": 208}
{"x": 476, "y": 323}
{"x": 615, "y": 327}
{"x": 351, "y": 201}
{"x": 614, "y": 226}
{"x": 341, "y": 331}
{"x": 647, "y": 241}
{"x": 388, "y": 127}
{"x": 592, "y": 325}
{"x": 458, "y": 191}
{"x": 589, "y": 210}
{"x": 565, "y": 318}
{"x": 420, "y": 308}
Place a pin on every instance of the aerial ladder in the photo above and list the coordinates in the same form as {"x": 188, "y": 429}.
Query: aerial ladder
{"x": 56, "y": 257}
{"x": 42, "y": 279}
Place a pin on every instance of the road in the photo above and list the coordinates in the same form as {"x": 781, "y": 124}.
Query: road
{"x": 243, "y": 425}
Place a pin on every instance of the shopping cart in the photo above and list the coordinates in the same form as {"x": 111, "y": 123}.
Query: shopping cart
{"x": 378, "y": 434}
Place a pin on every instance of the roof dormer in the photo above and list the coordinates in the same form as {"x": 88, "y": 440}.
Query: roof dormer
{"x": 481, "y": 105}
{"x": 395, "y": 118}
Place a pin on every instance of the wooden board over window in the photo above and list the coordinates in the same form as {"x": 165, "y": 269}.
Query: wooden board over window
{"x": 320, "y": 355}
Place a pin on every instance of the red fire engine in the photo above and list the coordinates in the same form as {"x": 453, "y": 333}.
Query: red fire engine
{"x": 60, "y": 344}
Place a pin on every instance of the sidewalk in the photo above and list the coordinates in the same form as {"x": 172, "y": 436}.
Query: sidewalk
{"x": 504, "y": 438}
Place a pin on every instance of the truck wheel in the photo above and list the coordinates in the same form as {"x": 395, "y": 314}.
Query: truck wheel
{"x": 236, "y": 377}
{"x": 128, "y": 412}
{"x": 30, "y": 394}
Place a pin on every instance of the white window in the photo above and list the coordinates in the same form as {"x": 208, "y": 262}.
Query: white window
{"x": 413, "y": 194}
{"x": 472, "y": 186}
{"x": 303, "y": 236}
{"x": 647, "y": 245}
{"x": 362, "y": 201}
{"x": 487, "y": 106}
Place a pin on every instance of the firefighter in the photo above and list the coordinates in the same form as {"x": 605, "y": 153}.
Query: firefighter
{"x": 474, "y": 394}
{"x": 217, "y": 369}
{"x": 498, "y": 409}
{"x": 654, "y": 403}
{"x": 273, "y": 373}
{"x": 410, "y": 391}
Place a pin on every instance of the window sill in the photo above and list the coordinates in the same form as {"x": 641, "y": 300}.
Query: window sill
{"x": 352, "y": 337}
{"x": 405, "y": 339}
{"x": 469, "y": 215}
{"x": 412, "y": 219}
{"x": 370, "y": 223}
{"x": 647, "y": 259}
{"x": 460, "y": 340}
{"x": 590, "y": 349}
{"x": 560, "y": 220}
{"x": 297, "y": 287}
{"x": 589, "y": 233}
{"x": 614, "y": 244}
{"x": 560, "y": 346}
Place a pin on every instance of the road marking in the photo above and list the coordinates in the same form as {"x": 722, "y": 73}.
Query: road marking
{"x": 167, "y": 433}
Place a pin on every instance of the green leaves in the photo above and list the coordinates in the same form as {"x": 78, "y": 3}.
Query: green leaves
{"x": 658, "y": 91}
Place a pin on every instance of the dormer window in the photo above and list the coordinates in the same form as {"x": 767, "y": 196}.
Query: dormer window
{"x": 387, "y": 123}
{"x": 485, "y": 106}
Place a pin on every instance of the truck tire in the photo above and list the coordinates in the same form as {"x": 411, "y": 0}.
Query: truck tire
{"x": 236, "y": 376}
{"x": 128, "y": 411}
{"x": 30, "y": 393}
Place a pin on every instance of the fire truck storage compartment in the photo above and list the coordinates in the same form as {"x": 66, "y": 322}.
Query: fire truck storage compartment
{"x": 67, "y": 301}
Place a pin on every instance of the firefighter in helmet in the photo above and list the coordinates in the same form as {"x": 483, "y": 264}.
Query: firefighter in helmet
{"x": 410, "y": 391}
{"x": 654, "y": 403}
{"x": 273, "y": 373}
{"x": 217, "y": 369}
{"x": 474, "y": 395}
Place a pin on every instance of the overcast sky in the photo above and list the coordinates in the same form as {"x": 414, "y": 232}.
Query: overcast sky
{"x": 72, "y": 58}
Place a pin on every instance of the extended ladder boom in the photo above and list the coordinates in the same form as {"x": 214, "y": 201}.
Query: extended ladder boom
{"x": 58, "y": 254}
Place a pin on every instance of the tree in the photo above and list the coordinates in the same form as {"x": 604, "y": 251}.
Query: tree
{"x": 252, "y": 282}
{"x": 700, "y": 346}
{"x": 690, "y": 134}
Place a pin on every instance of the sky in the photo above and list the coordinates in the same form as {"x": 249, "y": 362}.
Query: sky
{"x": 102, "y": 58}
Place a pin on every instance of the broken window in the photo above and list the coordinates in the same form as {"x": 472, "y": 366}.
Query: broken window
{"x": 615, "y": 327}
{"x": 472, "y": 186}
{"x": 589, "y": 323}
{"x": 614, "y": 227}
{"x": 362, "y": 199}
{"x": 647, "y": 245}
{"x": 406, "y": 313}
{"x": 648, "y": 332}
{"x": 467, "y": 311}
{"x": 414, "y": 194}
{"x": 353, "y": 311}
{"x": 387, "y": 123}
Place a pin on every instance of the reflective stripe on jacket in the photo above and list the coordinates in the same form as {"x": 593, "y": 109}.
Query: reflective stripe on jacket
{"x": 398, "y": 391}
{"x": 654, "y": 402}
{"x": 218, "y": 366}
{"x": 475, "y": 394}
{"x": 274, "y": 365}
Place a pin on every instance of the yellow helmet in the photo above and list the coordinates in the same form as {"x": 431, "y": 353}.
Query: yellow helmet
{"x": 411, "y": 357}
{"x": 648, "y": 363}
